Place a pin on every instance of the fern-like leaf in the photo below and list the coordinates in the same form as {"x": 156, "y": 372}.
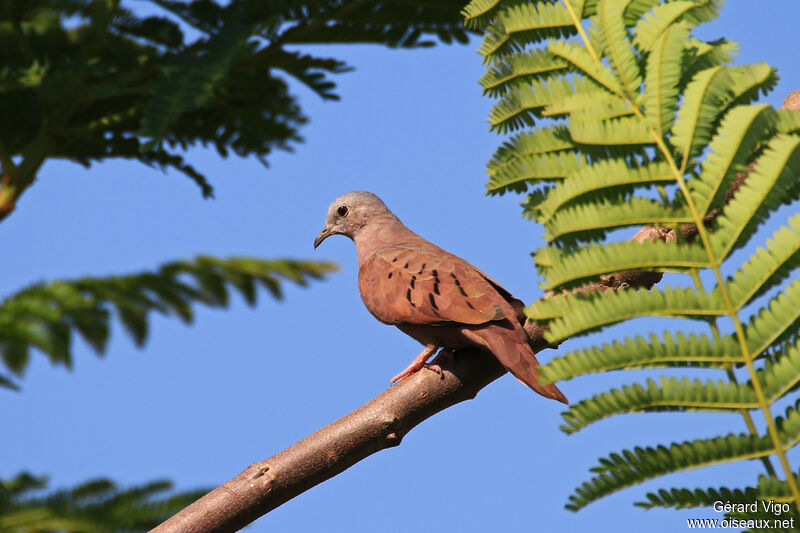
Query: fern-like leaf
{"x": 570, "y": 223}
{"x": 577, "y": 315}
{"x": 523, "y": 24}
{"x": 662, "y": 17}
{"x": 529, "y": 169}
{"x": 97, "y": 505}
{"x": 632, "y": 467}
{"x": 663, "y": 76}
{"x": 44, "y": 316}
{"x": 767, "y": 266}
{"x": 688, "y": 152}
{"x": 776, "y": 322}
{"x": 615, "y": 175}
{"x": 669, "y": 394}
{"x": 772, "y": 183}
{"x": 519, "y": 69}
{"x": 670, "y": 350}
{"x": 709, "y": 92}
{"x": 584, "y": 264}
{"x": 743, "y": 128}
{"x": 619, "y": 52}
{"x": 590, "y": 128}
{"x": 190, "y": 83}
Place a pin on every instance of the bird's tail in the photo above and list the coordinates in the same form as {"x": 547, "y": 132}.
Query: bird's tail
{"x": 516, "y": 356}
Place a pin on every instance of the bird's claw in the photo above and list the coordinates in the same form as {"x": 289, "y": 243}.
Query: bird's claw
{"x": 409, "y": 371}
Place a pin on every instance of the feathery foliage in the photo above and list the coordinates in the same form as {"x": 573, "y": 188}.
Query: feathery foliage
{"x": 95, "y": 506}
{"x": 86, "y": 81}
{"x": 623, "y": 119}
{"x": 46, "y": 316}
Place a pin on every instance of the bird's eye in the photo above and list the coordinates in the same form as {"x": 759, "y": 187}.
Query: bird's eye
{"x": 342, "y": 211}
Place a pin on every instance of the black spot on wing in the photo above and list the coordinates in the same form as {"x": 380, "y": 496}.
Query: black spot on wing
{"x": 470, "y": 305}
{"x": 461, "y": 290}
{"x": 436, "y": 287}
{"x": 413, "y": 280}
{"x": 433, "y": 301}
{"x": 405, "y": 266}
{"x": 389, "y": 276}
{"x": 408, "y": 297}
{"x": 421, "y": 269}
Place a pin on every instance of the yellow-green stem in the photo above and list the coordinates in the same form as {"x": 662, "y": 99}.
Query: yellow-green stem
{"x": 730, "y": 309}
{"x": 748, "y": 420}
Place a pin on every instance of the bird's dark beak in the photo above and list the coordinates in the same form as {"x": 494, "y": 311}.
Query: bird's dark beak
{"x": 326, "y": 232}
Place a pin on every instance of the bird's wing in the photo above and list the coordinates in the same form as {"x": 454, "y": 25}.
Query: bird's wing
{"x": 418, "y": 285}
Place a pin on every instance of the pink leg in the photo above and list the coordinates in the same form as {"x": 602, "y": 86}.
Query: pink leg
{"x": 418, "y": 363}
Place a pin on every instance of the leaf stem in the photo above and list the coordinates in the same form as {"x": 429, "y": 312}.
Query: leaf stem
{"x": 748, "y": 420}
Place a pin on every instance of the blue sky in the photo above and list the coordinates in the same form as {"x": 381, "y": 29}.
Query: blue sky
{"x": 200, "y": 403}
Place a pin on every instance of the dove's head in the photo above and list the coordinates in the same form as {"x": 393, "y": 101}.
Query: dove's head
{"x": 350, "y": 213}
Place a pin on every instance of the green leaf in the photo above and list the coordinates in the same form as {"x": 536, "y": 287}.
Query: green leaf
{"x": 743, "y": 128}
{"x": 8, "y": 383}
{"x": 787, "y": 120}
{"x": 614, "y": 175}
{"x": 586, "y": 263}
{"x": 518, "y": 173}
{"x": 586, "y": 128}
{"x": 578, "y": 56}
{"x": 521, "y": 105}
{"x": 767, "y": 266}
{"x": 542, "y": 141}
{"x": 772, "y": 183}
{"x": 685, "y": 498}
{"x": 638, "y": 352}
{"x": 619, "y": 52}
{"x": 44, "y": 315}
{"x": 663, "y": 75}
{"x": 703, "y": 55}
{"x": 659, "y": 20}
{"x": 777, "y": 321}
{"x": 478, "y": 13}
{"x": 578, "y": 315}
{"x": 707, "y": 96}
{"x": 672, "y": 394}
{"x": 570, "y": 222}
{"x": 591, "y": 100}
{"x": 519, "y": 69}
{"x": 781, "y": 373}
{"x": 189, "y": 84}
{"x": 669, "y": 394}
{"x": 523, "y": 24}
{"x": 631, "y": 467}
{"x": 95, "y": 506}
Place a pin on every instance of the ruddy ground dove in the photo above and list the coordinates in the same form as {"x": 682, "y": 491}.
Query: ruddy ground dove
{"x": 430, "y": 294}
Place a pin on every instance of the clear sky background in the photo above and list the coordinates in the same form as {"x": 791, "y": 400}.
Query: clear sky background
{"x": 200, "y": 403}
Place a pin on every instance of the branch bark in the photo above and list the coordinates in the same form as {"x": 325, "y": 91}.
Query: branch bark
{"x": 379, "y": 424}
{"x": 386, "y": 419}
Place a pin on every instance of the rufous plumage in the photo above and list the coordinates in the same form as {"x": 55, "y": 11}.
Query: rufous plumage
{"x": 430, "y": 294}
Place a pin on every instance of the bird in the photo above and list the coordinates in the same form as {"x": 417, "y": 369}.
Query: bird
{"x": 435, "y": 297}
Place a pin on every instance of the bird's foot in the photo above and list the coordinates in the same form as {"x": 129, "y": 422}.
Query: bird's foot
{"x": 419, "y": 363}
{"x": 408, "y": 371}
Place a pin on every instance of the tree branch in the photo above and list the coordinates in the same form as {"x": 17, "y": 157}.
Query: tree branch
{"x": 379, "y": 424}
{"x": 386, "y": 419}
